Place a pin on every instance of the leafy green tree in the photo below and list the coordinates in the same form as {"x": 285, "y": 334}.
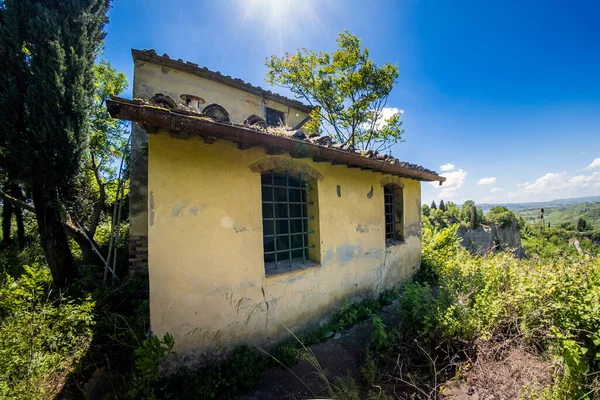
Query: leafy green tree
{"x": 348, "y": 90}
{"x": 582, "y": 225}
{"x": 452, "y": 211}
{"x": 442, "y": 205}
{"x": 96, "y": 184}
{"x": 46, "y": 97}
{"x": 466, "y": 212}
{"x": 501, "y": 216}
{"x": 425, "y": 210}
{"x": 433, "y": 206}
{"x": 474, "y": 219}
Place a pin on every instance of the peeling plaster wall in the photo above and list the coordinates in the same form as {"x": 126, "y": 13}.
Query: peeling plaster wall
{"x": 150, "y": 79}
{"x": 207, "y": 281}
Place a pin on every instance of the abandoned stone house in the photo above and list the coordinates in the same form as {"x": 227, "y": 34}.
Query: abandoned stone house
{"x": 246, "y": 230}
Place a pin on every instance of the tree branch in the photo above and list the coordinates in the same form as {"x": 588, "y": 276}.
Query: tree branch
{"x": 17, "y": 202}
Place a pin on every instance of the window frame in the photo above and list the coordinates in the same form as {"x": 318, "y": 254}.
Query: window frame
{"x": 279, "y": 204}
{"x": 393, "y": 200}
{"x": 279, "y": 114}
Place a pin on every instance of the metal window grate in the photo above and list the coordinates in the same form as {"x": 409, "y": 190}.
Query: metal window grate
{"x": 390, "y": 215}
{"x": 273, "y": 117}
{"x": 285, "y": 218}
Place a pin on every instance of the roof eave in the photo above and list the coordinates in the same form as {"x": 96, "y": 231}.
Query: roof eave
{"x": 152, "y": 57}
{"x": 182, "y": 124}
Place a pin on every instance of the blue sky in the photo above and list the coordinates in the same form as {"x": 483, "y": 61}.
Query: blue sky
{"x": 504, "y": 95}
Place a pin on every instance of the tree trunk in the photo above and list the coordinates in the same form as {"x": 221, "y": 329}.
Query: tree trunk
{"x": 52, "y": 235}
{"x": 7, "y": 211}
{"x": 88, "y": 256}
{"x": 17, "y": 193}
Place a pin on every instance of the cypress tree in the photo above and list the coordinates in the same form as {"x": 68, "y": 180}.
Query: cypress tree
{"x": 442, "y": 205}
{"x": 433, "y": 206}
{"x": 47, "y": 50}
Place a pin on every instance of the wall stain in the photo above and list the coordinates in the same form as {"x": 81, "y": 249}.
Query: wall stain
{"x": 362, "y": 228}
{"x": 339, "y": 191}
{"x": 195, "y": 210}
{"x": 165, "y": 70}
{"x": 177, "y": 210}
{"x": 370, "y": 194}
{"x": 345, "y": 254}
{"x": 151, "y": 207}
{"x": 237, "y": 229}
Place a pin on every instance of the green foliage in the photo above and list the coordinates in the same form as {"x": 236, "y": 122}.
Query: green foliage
{"x": 548, "y": 243}
{"x": 567, "y": 214}
{"x": 348, "y": 90}
{"x": 147, "y": 358}
{"x": 41, "y": 334}
{"x": 240, "y": 373}
{"x": 582, "y": 225}
{"x": 468, "y": 216}
{"x": 501, "y": 216}
{"x": 442, "y": 206}
{"x": 48, "y": 51}
{"x": 550, "y": 304}
{"x": 368, "y": 371}
{"x": 425, "y": 210}
{"x": 96, "y": 185}
{"x": 379, "y": 335}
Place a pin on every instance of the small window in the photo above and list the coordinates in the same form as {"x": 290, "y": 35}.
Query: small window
{"x": 394, "y": 213}
{"x": 286, "y": 228}
{"x": 274, "y": 117}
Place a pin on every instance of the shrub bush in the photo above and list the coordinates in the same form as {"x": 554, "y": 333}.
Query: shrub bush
{"x": 41, "y": 334}
{"x": 553, "y": 304}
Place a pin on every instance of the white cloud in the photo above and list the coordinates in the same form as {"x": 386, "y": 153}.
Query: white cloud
{"x": 487, "y": 181}
{"x": 387, "y": 113}
{"x": 446, "y": 167}
{"x": 594, "y": 164}
{"x": 454, "y": 181}
{"x": 555, "y": 185}
{"x": 496, "y": 190}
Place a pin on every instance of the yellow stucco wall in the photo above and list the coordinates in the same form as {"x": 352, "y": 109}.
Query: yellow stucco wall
{"x": 207, "y": 281}
{"x": 150, "y": 79}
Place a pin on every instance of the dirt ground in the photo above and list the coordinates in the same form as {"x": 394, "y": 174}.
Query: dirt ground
{"x": 500, "y": 370}
{"x": 338, "y": 358}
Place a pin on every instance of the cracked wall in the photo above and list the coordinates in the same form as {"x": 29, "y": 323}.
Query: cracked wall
{"x": 207, "y": 281}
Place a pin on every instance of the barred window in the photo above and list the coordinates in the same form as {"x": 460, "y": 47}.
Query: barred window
{"x": 273, "y": 117}
{"x": 285, "y": 207}
{"x": 394, "y": 213}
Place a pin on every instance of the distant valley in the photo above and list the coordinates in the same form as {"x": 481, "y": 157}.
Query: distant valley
{"x": 557, "y": 211}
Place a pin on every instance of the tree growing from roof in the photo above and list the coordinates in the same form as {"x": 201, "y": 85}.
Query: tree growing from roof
{"x": 46, "y": 95}
{"x": 348, "y": 90}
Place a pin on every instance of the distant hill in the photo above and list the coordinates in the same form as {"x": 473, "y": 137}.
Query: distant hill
{"x": 557, "y": 211}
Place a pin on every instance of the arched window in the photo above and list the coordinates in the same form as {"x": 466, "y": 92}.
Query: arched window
{"x": 288, "y": 235}
{"x": 394, "y": 213}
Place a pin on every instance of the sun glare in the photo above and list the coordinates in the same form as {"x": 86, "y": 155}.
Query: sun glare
{"x": 281, "y": 19}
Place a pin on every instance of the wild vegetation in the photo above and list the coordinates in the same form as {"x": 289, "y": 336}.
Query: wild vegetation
{"x": 544, "y": 305}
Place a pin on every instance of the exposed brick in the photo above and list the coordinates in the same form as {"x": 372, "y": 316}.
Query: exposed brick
{"x": 138, "y": 254}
